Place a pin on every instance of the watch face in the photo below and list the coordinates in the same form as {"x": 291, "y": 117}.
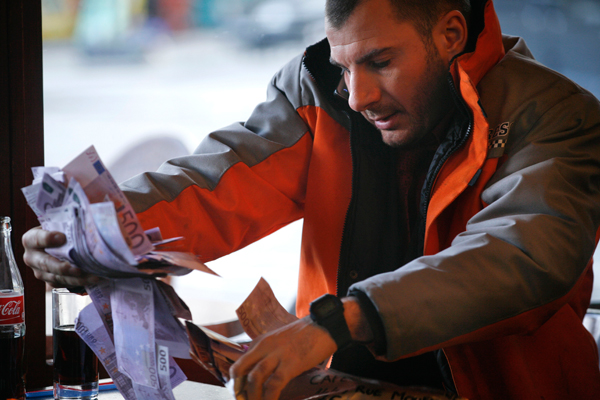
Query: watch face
{"x": 327, "y": 307}
{"x": 324, "y": 306}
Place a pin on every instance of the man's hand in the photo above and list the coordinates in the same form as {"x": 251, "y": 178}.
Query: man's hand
{"x": 277, "y": 357}
{"x": 47, "y": 268}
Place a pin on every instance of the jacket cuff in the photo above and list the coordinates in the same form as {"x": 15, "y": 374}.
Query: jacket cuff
{"x": 378, "y": 345}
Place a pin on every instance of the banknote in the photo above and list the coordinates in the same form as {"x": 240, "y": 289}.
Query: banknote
{"x": 164, "y": 374}
{"x": 148, "y": 393}
{"x": 319, "y": 383}
{"x": 104, "y": 236}
{"x": 51, "y": 194}
{"x": 176, "y": 305}
{"x": 169, "y": 376}
{"x": 96, "y": 256}
{"x": 329, "y": 384}
{"x": 133, "y": 318}
{"x": 181, "y": 259}
{"x": 45, "y": 192}
{"x": 31, "y": 194}
{"x": 200, "y": 345}
{"x": 92, "y": 330}
{"x": 97, "y": 182}
{"x": 78, "y": 227}
{"x": 100, "y": 295}
{"x": 156, "y": 238}
{"x": 261, "y": 312}
{"x": 54, "y": 172}
{"x": 99, "y": 251}
{"x": 105, "y": 219}
{"x": 62, "y": 219}
{"x": 86, "y": 247}
{"x": 214, "y": 352}
{"x": 168, "y": 331}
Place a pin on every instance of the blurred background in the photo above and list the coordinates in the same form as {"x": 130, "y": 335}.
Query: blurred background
{"x": 146, "y": 80}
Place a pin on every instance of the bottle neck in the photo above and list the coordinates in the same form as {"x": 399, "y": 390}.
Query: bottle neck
{"x": 5, "y": 230}
{"x": 10, "y": 278}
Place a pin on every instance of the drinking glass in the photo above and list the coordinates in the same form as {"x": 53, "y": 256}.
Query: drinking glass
{"x": 75, "y": 364}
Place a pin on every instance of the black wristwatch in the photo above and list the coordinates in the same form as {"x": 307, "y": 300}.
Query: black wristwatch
{"x": 328, "y": 311}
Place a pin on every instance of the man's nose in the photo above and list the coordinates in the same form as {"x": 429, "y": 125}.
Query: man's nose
{"x": 363, "y": 91}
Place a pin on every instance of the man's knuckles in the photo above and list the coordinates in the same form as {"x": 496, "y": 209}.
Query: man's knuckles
{"x": 260, "y": 372}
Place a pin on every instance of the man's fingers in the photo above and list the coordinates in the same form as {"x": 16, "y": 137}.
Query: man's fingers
{"x": 40, "y": 260}
{"x": 62, "y": 280}
{"x": 38, "y": 238}
{"x": 257, "y": 377}
{"x": 275, "y": 384}
{"x": 279, "y": 356}
{"x": 246, "y": 362}
{"x": 263, "y": 370}
{"x": 50, "y": 269}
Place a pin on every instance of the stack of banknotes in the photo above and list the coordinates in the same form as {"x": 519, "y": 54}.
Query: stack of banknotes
{"x": 134, "y": 324}
{"x": 104, "y": 236}
{"x": 261, "y": 313}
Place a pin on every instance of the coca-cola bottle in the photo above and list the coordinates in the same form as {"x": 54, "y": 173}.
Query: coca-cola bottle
{"x": 12, "y": 320}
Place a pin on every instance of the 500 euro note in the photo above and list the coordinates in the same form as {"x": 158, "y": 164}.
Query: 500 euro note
{"x": 132, "y": 301}
{"x": 136, "y": 342}
{"x": 91, "y": 329}
{"x": 168, "y": 331}
{"x": 97, "y": 182}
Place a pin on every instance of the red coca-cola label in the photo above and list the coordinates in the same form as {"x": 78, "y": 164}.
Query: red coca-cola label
{"x": 12, "y": 310}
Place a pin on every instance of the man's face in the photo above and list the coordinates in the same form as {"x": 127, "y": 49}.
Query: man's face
{"x": 394, "y": 80}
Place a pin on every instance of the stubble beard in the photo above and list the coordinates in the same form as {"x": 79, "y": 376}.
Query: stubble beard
{"x": 429, "y": 107}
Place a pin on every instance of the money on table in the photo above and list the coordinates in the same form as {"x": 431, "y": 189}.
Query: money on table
{"x": 134, "y": 324}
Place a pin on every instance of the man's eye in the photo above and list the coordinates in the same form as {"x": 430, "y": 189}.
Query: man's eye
{"x": 380, "y": 64}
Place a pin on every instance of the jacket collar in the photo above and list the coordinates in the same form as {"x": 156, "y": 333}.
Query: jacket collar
{"x": 484, "y": 48}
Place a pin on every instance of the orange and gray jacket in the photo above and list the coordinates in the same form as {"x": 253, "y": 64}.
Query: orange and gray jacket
{"x": 510, "y": 210}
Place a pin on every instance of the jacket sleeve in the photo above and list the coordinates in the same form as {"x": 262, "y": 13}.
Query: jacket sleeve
{"x": 522, "y": 254}
{"x": 241, "y": 183}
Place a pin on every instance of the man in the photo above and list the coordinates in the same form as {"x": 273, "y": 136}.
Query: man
{"x": 450, "y": 193}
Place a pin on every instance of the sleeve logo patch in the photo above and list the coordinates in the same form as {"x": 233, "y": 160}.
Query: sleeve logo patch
{"x": 497, "y": 140}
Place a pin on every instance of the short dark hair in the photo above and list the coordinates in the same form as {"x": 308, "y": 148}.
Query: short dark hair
{"x": 424, "y": 14}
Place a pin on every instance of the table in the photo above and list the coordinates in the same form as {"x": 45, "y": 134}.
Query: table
{"x": 187, "y": 390}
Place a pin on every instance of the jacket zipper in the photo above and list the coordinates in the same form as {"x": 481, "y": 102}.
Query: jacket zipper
{"x": 342, "y": 259}
{"x": 427, "y": 193}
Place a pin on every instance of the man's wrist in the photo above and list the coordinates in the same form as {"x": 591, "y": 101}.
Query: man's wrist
{"x": 370, "y": 320}
{"x": 357, "y": 321}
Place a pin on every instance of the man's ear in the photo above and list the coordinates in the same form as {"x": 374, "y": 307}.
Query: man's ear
{"x": 450, "y": 35}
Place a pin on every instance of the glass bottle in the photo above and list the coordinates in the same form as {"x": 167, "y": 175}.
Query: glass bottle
{"x": 12, "y": 320}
